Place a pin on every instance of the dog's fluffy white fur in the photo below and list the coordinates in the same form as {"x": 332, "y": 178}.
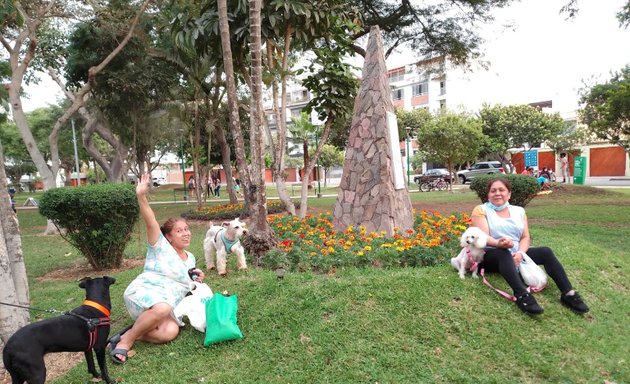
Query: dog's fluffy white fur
{"x": 473, "y": 241}
{"x": 215, "y": 246}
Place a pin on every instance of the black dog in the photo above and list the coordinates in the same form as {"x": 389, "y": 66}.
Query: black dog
{"x": 83, "y": 329}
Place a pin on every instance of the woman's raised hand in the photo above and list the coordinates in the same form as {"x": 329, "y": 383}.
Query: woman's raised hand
{"x": 143, "y": 184}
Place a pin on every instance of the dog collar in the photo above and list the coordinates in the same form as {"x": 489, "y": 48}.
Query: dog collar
{"x": 98, "y": 306}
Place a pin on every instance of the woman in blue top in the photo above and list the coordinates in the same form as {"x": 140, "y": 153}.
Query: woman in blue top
{"x": 165, "y": 281}
{"x": 509, "y": 238}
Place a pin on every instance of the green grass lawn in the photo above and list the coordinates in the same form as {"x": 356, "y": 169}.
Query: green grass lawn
{"x": 389, "y": 325}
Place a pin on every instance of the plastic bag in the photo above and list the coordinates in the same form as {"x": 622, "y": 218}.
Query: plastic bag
{"x": 221, "y": 319}
{"x": 532, "y": 274}
{"x": 194, "y": 306}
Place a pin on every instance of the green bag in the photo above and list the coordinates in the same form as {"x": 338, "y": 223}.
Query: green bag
{"x": 221, "y": 319}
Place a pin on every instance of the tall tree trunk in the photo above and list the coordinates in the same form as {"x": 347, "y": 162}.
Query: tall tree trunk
{"x": 12, "y": 270}
{"x": 234, "y": 117}
{"x": 224, "y": 147}
{"x": 226, "y": 155}
{"x": 114, "y": 165}
{"x": 279, "y": 149}
{"x": 195, "y": 144}
{"x": 308, "y": 168}
{"x": 261, "y": 238}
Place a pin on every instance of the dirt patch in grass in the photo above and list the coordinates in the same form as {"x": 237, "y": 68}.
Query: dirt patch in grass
{"x": 81, "y": 269}
{"x": 57, "y": 365}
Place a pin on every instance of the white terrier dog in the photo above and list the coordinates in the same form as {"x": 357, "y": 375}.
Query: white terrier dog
{"x": 221, "y": 240}
{"x": 473, "y": 241}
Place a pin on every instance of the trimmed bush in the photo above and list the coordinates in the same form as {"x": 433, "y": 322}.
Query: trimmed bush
{"x": 524, "y": 188}
{"x": 96, "y": 219}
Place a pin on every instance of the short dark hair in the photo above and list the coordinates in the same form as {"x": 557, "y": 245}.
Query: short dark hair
{"x": 503, "y": 180}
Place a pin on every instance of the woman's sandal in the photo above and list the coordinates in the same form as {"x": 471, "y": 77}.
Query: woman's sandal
{"x": 115, "y": 352}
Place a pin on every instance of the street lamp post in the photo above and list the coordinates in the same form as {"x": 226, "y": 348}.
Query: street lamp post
{"x": 319, "y": 189}
{"x": 408, "y": 130}
{"x": 76, "y": 154}
{"x": 181, "y": 153}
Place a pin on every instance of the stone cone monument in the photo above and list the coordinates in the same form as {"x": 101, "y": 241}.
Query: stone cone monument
{"x": 373, "y": 190}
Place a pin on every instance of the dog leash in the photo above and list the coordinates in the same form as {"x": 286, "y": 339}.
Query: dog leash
{"x": 92, "y": 323}
{"x": 500, "y": 292}
{"x": 33, "y": 308}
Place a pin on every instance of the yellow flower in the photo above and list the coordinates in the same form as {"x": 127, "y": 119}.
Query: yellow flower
{"x": 360, "y": 253}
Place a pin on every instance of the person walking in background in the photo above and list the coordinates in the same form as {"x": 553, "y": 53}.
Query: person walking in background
{"x": 564, "y": 167}
{"x": 237, "y": 186}
{"x": 217, "y": 187}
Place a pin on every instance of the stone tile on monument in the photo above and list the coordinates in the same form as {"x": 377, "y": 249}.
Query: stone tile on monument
{"x": 357, "y": 214}
{"x": 369, "y": 211}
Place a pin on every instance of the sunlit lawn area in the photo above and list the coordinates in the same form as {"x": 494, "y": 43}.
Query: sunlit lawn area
{"x": 386, "y": 324}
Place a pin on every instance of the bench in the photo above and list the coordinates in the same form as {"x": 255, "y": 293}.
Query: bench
{"x": 296, "y": 188}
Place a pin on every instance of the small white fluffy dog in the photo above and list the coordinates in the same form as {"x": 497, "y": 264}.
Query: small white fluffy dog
{"x": 224, "y": 239}
{"x": 473, "y": 241}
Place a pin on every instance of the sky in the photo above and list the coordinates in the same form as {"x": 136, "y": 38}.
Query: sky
{"x": 546, "y": 57}
{"x": 541, "y": 57}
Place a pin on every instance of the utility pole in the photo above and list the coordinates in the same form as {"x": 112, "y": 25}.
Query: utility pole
{"x": 76, "y": 153}
{"x": 408, "y": 130}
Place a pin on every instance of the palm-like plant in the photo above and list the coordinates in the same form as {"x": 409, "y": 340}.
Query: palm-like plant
{"x": 302, "y": 133}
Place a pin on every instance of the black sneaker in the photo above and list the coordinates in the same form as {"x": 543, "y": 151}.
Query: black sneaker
{"x": 574, "y": 302}
{"x": 527, "y": 303}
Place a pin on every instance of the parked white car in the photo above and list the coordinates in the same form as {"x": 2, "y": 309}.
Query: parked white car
{"x": 157, "y": 181}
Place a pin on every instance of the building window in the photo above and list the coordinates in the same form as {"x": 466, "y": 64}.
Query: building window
{"x": 420, "y": 89}
{"x": 398, "y": 75}
{"x": 296, "y": 112}
{"x": 301, "y": 95}
{"x": 442, "y": 104}
{"x": 397, "y": 94}
{"x": 442, "y": 87}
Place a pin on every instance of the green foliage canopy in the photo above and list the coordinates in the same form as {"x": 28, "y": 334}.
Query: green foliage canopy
{"x": 515, "y": 126}
{"x": 450, "y": 138}
{"x": 606, "y": 109}
{"x": 415, "y": 119}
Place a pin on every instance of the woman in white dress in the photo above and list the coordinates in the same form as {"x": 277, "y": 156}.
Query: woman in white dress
{"x": 168, "y": 273}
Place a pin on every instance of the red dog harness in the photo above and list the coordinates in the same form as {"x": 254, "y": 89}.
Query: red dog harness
{"x": 93, "y": 323}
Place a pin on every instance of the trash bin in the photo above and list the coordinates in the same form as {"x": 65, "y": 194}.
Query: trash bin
{"x": 579, "y": 170}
